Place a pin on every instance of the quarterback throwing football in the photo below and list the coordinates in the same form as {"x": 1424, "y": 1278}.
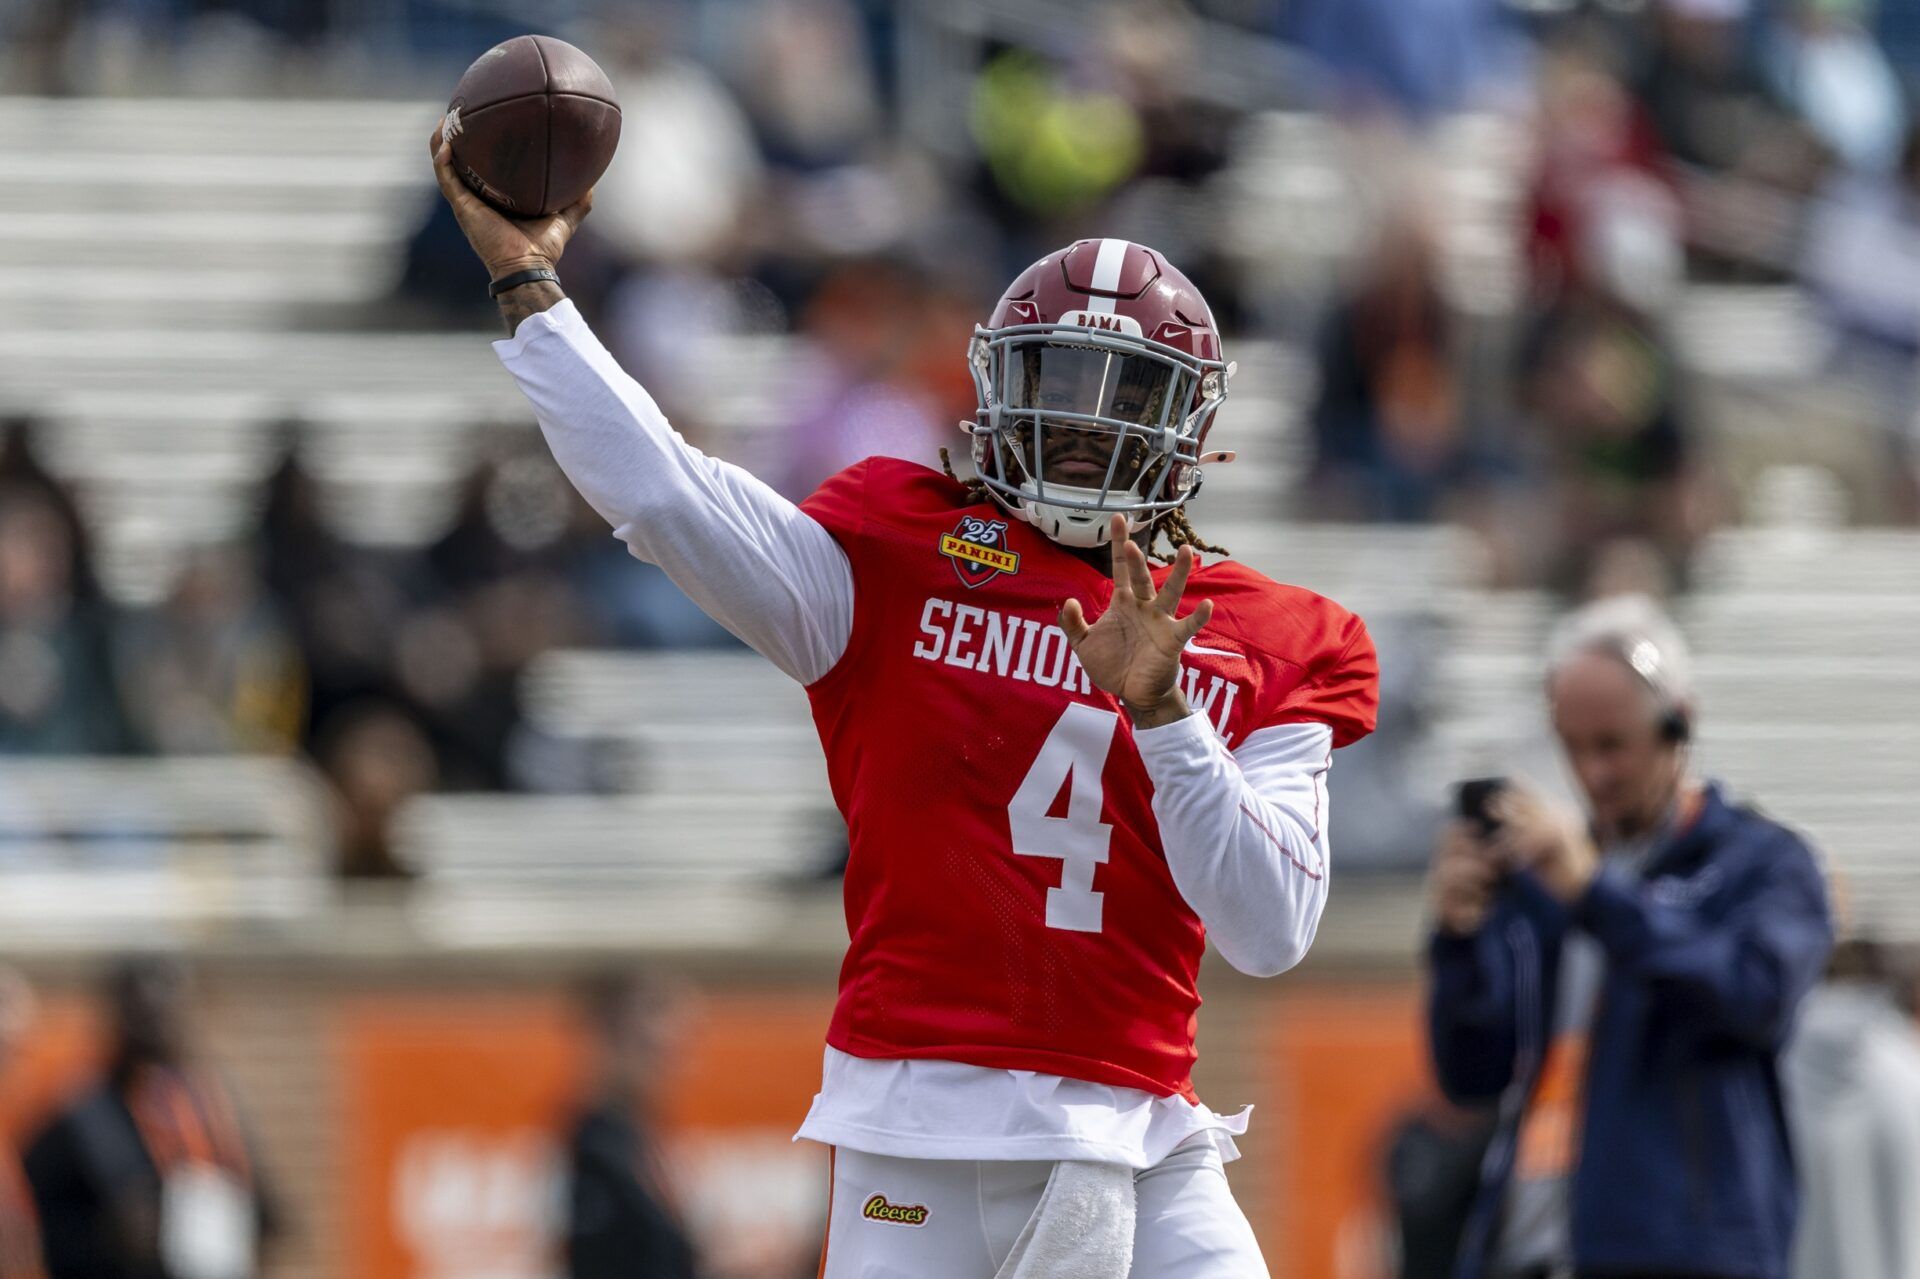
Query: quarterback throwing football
{"x": 1007, "y": 1088}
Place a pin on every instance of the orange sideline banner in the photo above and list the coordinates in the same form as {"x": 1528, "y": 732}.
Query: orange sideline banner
{"x": 456, "y": 1109}
{"x": 1345, "y": 1064}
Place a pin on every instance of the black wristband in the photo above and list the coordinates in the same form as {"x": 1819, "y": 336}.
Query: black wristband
{"x": 519, "y": 278}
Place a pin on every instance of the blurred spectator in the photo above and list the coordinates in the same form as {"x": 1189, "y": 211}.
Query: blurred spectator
{"x": 1053, "y": 147}
{"x": 435, "y": 639}
{"x": 414, "y": 658}
{"x": 660, "y": 319}
{"x": 687, "y": 166}
{"x": 1389, "y": 422}
{"x": 441, "y": 284}
{"x": 1699, "y": 86}
{"x": 343, "y": 603}
{"x": 804, "y": 79}
{"x": 151, "y": 1175}
{"x": 57, "y": 691}
{"x": 622, "y": 1218}
{"x": 1599, "y": 380}
{"x": 1600, "y": 391}
{"x": 19, "y": 1227}
{"x": 1739, "y": 153}
{"x": 377, "y": 758}
{"x": 1152, "y": 53}
{"x": 1432, "y": 1174}
{"x": 211, "y": 670}
{"x": 1852, "y": 1078}
{"x": 514, "y": 619}
{"x": 1825, "y": 66}
{"x": 498, "y": 596}
{"x": 1862, "y": 257}
{"x": 1153, "y": 57}
{"x": 1417, "y": 58}
{"x": 1601, "y": 388}
{"x": 891, "y": 349}
{"x": 1624, "y": 987}
{"x": 33, "y": 40}
{"x": 1588, "y": 131}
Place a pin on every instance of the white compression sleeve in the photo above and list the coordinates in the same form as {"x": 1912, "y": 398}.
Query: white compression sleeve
{"x": 1245, "y": 833}
{"x": 758, "y": 564}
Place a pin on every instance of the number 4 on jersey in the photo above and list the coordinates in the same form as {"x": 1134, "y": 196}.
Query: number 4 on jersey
{"x": 1076, "y": 747}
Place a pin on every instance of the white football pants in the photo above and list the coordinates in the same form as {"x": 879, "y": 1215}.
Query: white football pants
{"x": 1188, "y": 1226}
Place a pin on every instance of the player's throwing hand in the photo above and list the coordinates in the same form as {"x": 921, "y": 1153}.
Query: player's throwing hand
{"x": 506, "y": 245}
{"x": 1133, "y": 650}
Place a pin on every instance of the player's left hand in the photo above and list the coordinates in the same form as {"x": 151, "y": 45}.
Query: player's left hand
{"x": 1133, "y": 650}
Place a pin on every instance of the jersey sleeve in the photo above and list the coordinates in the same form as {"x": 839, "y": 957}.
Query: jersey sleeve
{"x": 1342, "y": 684}
{"x": 839, "y": 505}
{"x": 749, "y": 558}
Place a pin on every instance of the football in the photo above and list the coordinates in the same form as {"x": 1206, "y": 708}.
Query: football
{"x": 533, "y": 124}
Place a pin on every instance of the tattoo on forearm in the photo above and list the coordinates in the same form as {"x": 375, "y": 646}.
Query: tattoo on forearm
{"x": 529, "y": 299}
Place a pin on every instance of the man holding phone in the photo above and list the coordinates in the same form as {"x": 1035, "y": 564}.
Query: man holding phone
{"x": 1621, "y": 987}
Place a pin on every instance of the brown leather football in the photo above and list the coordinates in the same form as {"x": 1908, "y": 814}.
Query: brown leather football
{"x": 533, "y": 124}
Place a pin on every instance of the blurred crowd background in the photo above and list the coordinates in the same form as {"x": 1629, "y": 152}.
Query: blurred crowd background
{"x": 1531, "y": 362}
{"x": 1534, "y": 301}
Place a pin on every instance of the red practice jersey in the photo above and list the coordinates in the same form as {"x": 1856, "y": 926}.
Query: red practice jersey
{"x": 1008, "y": 899}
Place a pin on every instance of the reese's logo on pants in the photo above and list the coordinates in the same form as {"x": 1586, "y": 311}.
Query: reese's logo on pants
{"x": 978, "y": 549}
{"x": 878, "y": 1209}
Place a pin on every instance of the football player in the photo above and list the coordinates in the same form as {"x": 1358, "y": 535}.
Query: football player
{"x": 1057, "y": 784}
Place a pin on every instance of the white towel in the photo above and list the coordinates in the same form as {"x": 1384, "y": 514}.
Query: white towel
{"x": 1082, "y": 1228}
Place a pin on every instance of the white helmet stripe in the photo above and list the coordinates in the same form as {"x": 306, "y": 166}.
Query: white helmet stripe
{"x": 1106, "y": 274}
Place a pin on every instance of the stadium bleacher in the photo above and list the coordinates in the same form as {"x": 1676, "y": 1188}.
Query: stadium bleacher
{"x": 229, "y": 214}
{"x": 126, "y": 852}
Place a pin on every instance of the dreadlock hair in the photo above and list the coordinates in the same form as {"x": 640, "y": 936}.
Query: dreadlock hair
{"x": 1173, "y": 525}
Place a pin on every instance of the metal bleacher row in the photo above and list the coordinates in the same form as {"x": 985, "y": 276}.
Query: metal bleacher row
{"x": 183, "y": 273}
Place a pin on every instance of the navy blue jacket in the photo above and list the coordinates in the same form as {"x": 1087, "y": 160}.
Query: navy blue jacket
{"x": 1684, "y": 1159}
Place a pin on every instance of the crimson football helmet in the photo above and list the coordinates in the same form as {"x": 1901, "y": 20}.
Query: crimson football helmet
{"x": 1097, "y": 379}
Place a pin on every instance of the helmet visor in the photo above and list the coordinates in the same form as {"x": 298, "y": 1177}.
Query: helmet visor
{"x": 1090, "y": 382}
{"x": 1081, "y": 414}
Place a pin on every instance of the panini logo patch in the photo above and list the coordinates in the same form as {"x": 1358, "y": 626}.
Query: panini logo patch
{"x": 978, "y": 549}
{"x": 878, "y": 1209}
